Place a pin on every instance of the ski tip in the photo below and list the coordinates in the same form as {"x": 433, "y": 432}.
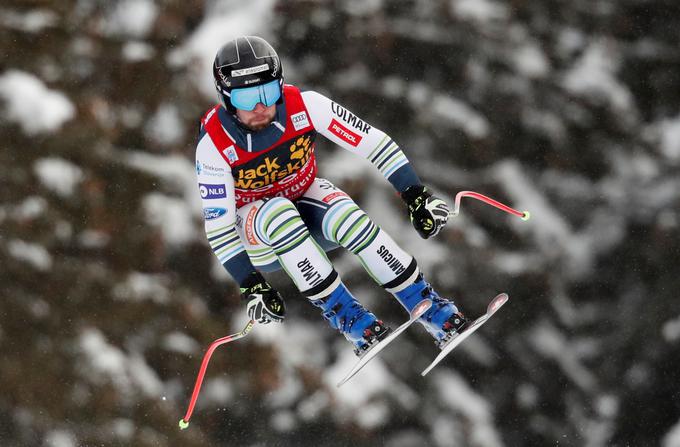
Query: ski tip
{"x": 183, "y": 425}
{"x": 497, "y": 302}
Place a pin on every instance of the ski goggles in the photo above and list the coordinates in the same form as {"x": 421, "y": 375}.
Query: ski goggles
{"x": 247, "y": 98}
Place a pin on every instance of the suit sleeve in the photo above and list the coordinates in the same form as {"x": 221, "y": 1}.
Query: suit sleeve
{"x": 350, "y": 132}
{"x": 216, "y": 188}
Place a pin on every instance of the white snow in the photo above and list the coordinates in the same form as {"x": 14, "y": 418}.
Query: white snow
{"x": 31, "y": 104}
{"x": 32, "y": 21}
{"x": 457, "y": 395}
{"x": 672, "y": 438}
{"x": 108, "y": 363}
{"x": 33, "y": 254}
{"x": 131, "y": 17}
{"x": 30, "y": 208}
{"x": 530, "y": 61}
{"x": 547, "y": 340}
{"x": 671, "y": 330}
{"x": 142, "y": 286}
{"x": 669, "y": 136}
{"x": 177, "y": 173}
{"x": 480, "y": 11}
{"x": 224, "y": 21}
{"x": 457, "y": 113}
{"x": 165, "y": 126}
{"x": 136, "y": 51}
{"x": 172, "y": 216}
{"x": 218, "y": 391}
{"x": 179, "y": 342}
{"x": 59, "y": 175}
{"x": 60, "y": 438}
{"x": 593, "y": 76}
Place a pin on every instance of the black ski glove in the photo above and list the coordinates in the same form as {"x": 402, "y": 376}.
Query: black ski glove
{"x": 264, "y": 303}
{"x": 428, "y": 213}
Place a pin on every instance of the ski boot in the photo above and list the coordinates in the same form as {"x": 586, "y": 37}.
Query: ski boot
{"x": 443, "y": 320}
{"x": 344, "y": 313}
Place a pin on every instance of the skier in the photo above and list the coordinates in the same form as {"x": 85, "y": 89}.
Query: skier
{"x": 266, "y": 209}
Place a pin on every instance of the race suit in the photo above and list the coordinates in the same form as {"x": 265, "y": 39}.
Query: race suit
{"x": 265, "y": 208}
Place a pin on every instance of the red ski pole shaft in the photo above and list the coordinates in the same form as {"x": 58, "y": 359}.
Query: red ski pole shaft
{"x": 524, "y": 215}
{"x": 184, "y": 422}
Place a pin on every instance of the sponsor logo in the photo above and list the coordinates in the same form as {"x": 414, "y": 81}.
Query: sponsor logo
{"x": 309, "y": 273}
{"x": 231, "y": 154}
{"x": 392, "y": 262}
{"x": 250, "y": 226}
{"x": 334, "y": 195}
{"x": 350, "y": 118}
{"x": 250, "y": 70}
{"x": 209, "y": 170}
{"x": 213, "y": 213}
{"x": 209, "y": 191}
{"x": 300, "y": 120}
{"x": 344, "y": 133}
{"x": 302, "y": 180}
{"x": 262, "y": 172}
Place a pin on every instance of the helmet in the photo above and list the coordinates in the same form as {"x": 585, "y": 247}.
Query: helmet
{"x": 246, "y": 61}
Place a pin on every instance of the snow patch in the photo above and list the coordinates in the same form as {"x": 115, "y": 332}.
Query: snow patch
{"x": 175, "y": 171}
{"x": 33, "y": 106}
{"x": 33, "y": 21}
{"x": 593, "y": 76}
{"x": 172, "y": 216}
{"x": 136, "y": 51}
{"x": 109, "y": 363}
{"x": 530, "y": 61}
{"x": 165, "y": 126}
{"x": 480, "y": 11}
{"x": 456, "y": 394}
{"x": 33, "y": 254}
{"x": 60, "y": 438}
{"x": 179, "y": 342}
{"x": 667, "y": 132}
{"x": 224, "y": 21}
{"x": 58, "y": 175}
{"x": 672, "y": 438}
{"x": 131, "y": 17}
{"x": 143, "y": 286}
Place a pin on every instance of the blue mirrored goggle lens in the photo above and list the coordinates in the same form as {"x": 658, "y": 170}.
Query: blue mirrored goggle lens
{"x": 247, "y": 98}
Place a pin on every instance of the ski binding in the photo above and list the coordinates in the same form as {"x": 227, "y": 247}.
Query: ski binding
{"x": 457, "y": 339}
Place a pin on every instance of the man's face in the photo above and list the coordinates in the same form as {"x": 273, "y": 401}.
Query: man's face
{"x": 258, "y": 118}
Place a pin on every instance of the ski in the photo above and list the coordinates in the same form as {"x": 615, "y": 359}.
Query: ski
{"x": 457, "y": 339}
{"x": 417, "y": 311}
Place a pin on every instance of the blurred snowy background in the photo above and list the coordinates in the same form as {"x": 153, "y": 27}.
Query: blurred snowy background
{"x": 110, "y": 294}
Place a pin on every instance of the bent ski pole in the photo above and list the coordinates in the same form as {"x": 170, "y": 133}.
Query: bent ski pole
{"x": 524, "y": 215}
{"x": 184, "y": 422}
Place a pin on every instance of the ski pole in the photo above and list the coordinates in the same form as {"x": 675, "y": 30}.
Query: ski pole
{"x": 524, "y": 215}
{"x": 184, "y": 422}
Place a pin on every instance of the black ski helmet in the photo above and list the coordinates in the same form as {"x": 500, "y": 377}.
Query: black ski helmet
{"x": 245, "y": 61}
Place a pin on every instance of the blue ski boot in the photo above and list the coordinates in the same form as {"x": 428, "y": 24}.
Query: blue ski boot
{"x": 344, "y": 313}
{"x": 442, "y": 320}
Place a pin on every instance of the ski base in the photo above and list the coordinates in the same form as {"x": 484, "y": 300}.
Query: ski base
{"x": 457, "y": 339}
{"x": 417, "y": 311}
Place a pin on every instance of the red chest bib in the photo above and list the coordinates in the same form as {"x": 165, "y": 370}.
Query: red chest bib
{"x": 286, "y": 168}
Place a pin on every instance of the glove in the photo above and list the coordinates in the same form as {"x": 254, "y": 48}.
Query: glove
{"x": 428, "y": 213}
{"x": 264, "y": 303}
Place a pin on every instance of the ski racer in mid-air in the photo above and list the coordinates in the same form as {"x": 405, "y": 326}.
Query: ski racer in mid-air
{"x": 265, "y": 209}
